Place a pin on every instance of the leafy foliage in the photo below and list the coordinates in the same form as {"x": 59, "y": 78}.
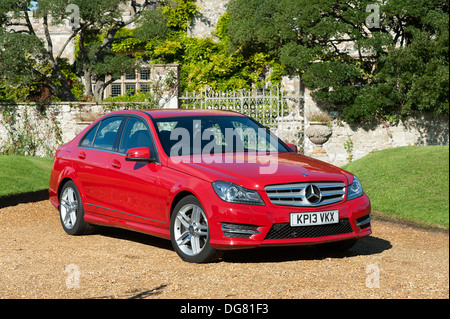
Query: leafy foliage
{"x": 208, "y": 61}
{"x": 391, "y": 69}
{"x": 27, "y": 59}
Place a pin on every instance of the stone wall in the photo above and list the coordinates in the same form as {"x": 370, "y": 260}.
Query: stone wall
{"x": 59, "y": 124}
{"x": 72, "y": 118}
{"x": 204, "y": 22}
{"x": 351, "y": 142}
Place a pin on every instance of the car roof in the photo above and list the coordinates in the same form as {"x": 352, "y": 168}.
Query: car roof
{"x": 162, "y": 113}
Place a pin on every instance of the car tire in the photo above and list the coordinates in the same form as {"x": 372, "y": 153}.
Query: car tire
{"x": 189, "y": 232}
{"x": 71, "y": 211}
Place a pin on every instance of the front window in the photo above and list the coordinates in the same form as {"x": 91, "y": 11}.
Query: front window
{"x": 190, "y": 135}
{"x": 107, "y": 132}
{"x": 136, "y": 134}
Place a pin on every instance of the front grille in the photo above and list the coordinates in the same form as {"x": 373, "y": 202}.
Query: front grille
{"x": 296, "y": 194}
{"x": 286, "y": 231}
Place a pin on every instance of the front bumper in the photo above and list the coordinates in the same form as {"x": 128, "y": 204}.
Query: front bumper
{"x": 237, "y": 226}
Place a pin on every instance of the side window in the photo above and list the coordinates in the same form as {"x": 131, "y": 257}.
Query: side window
{"x": 107, "y": 133}
{"x": 136, "y": 134}
{"x": 89, "y": 138}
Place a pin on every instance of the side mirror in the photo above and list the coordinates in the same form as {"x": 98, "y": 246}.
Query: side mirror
{"x": 292, "y": 147}
{"x": 139, "y": 154}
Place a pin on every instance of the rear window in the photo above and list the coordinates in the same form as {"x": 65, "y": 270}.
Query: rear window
{"x": 89, "y": 138}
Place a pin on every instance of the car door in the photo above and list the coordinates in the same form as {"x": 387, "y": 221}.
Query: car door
{"x": 92, "y": 159}
{"x": 134, "y": 186}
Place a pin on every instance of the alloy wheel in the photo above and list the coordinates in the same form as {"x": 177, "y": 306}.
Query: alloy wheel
{"x": 191, "y": 229}
{"x": 69, "y": 207}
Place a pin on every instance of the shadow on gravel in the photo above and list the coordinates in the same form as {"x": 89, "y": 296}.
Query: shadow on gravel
{"x": 366, "y": 246}
{"x": 136, "y": 294}
{"x": 129, "y": 235}
{"x": 24, "y": 198}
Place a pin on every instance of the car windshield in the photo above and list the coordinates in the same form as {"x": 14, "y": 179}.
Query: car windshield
{"x": 189, "y": 135}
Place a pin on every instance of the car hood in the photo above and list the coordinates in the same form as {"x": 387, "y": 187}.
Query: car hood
{"x": 257, "y": 171}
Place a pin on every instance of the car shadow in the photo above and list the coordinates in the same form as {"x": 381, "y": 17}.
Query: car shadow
{"x": 24, "y": 198}
{"x": 366, "y": 246}
{"x": 128, "y": 235}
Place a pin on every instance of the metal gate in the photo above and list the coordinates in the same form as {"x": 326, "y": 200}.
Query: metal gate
{"x": 282, "y": 113}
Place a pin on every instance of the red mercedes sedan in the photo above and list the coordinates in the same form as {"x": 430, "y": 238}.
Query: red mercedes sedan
{"x": 209, "y": 181}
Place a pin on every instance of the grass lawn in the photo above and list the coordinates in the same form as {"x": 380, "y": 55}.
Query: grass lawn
{"x": 410, "y": 183}
{"x": 22, "y": 174}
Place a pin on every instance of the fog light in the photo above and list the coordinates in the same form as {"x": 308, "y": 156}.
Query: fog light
{"x": 239, "y": 230}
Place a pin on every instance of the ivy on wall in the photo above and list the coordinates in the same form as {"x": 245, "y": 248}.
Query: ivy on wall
{"x": 210, "y": 62}
{"x": 23, "y": 136}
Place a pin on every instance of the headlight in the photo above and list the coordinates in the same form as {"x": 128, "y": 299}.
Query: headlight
{"x": 233, "y": 193}
{"x": 355, "y": 189}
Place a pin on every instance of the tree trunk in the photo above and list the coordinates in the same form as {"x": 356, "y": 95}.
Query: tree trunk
{"x": 99, "y": 88}
{"x": 87, "y": 82}
{"x": 66, "y": 95}
{"x": 63, "y": 91}
{"x": 87, "y": 74}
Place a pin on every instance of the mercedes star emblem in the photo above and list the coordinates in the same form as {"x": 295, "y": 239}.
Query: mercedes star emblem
{"x": 313, "y": 194}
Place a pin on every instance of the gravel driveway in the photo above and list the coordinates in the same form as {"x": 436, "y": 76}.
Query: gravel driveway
{"x": 38, "y": 260}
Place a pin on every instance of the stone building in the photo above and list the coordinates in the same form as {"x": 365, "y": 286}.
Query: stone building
{"x": 347, "y": 142}
{"x": 64, "y": 46}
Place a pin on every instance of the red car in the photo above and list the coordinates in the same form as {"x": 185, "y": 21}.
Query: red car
{"x": 207, "y": 180}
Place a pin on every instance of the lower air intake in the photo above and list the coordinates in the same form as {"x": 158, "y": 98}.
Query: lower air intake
{"x": 286, "y": 231}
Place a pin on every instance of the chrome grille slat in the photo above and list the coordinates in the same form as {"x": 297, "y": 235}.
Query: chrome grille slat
{"x": 332, "y": 193}
{"x": 288, "y": 195}
{"x": 293, "y": 194}
{"x": 286, "y": 187}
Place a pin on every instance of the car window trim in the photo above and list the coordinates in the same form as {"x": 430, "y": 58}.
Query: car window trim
{"x": 120, "y": 132}
{"x": 96, "y": 126}
{"x": 268, "y": 131}
{"x": 153, "y": 149}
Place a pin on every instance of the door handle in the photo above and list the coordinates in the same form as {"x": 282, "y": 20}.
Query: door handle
{"x": 116, "y": 164}
{"x": 82, "y": 155}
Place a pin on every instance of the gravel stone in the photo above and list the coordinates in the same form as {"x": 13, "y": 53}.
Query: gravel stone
{"x": 39, "y": 260}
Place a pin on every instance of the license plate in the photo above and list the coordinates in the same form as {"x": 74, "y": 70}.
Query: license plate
{"x": 315, "y": 218}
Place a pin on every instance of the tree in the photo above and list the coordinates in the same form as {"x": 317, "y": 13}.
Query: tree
{"x": 370, "y": 59}
{"x": 25, "y": 58}
{"x": 98, "y": 34}
{"x": 206, "y": 61}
